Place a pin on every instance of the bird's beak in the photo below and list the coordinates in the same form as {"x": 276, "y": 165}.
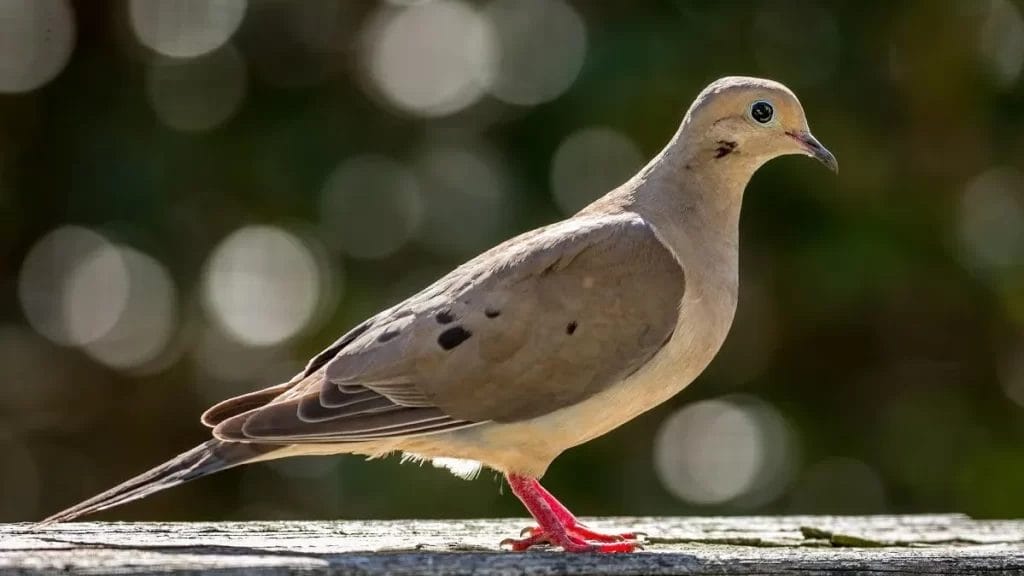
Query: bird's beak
{"x": 810, "y": 146}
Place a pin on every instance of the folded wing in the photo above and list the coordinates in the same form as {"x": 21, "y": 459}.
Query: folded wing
{"x": 539, "y": 323}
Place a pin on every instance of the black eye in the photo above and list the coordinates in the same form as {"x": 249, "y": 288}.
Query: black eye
{"x": 762, "y": 112}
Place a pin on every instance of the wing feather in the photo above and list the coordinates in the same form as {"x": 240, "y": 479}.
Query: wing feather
{"x": 536, "y": 324}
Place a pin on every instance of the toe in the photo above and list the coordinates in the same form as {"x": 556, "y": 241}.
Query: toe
{"x": 586, "y": 533}
{"x": 618, "y": 547}
{"x": 521, "y": 544}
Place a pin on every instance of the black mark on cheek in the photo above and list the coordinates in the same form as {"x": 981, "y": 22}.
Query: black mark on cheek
{"x": 570, "y": 328}
{"x": 444, "y": 317}
{"x": 725, "y": 147}
{"x": 453, "y": 336}
{"x": 492, "y": 313}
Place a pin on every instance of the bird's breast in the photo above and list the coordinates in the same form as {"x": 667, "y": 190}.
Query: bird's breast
{"x": 700, "y": 331}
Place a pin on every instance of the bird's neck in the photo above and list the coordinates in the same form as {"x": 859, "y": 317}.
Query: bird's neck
{"x": 693, "y": 190}
{"x": 701, "y": 180}
{"x": 693, "y": 200}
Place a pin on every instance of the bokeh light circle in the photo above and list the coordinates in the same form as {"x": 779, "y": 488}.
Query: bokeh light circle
{"x": 185, "y": 28}
{"x": 148, "y": 318}
{"x": 370, "y": 207}
{"x": 262, "y": 285}
{"x": 95, "y": 295}
{"x": 46, "y": 277}
{"x": 197, "y": 94}
{"x": 991, "y": 220}
{"x": 591, "y": 162}
{"x": 729, "y": 450}
{"x": 465, "y": 193}
{"x": 541, "y": 48}
{"x": 1001, "y": 40}
{"x": 118, "y": 304}
{"x": 429, "y": 59}
{"x": 36, "y": 40}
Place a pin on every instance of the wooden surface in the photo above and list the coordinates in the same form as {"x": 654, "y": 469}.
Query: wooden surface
{"x": 760, "y": 545}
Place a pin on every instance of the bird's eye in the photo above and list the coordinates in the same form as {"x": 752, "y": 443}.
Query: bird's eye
{"x": 762, "y": 112}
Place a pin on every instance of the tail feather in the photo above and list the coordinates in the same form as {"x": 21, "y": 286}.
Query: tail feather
{"x": 203, "y": 460}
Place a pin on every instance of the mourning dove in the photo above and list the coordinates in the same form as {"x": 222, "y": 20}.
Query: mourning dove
{"x": 540, "y": 344}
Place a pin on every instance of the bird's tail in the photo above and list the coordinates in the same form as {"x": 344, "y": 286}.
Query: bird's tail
{"x": 203, "y": 460}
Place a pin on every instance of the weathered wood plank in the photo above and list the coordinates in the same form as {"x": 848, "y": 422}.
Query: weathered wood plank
{"x": 755, "y": 545}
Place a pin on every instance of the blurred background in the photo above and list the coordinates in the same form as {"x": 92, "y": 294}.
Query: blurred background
{"x": 198, "y": 195}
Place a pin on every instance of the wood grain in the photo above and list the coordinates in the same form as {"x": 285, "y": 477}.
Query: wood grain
{"x": 946, "y": 544}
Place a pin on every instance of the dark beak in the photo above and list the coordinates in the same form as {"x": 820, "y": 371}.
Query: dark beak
{"x": 813, "y": 148}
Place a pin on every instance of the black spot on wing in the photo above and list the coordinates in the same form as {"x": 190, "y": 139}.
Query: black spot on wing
{"x": 452, "y": 337}
{"x": 444, "y": 317}
{"x": 492, "y": 312}
{"x": 570, "y": 328}
{"x": 388, "y": 334}
{"x": 327, "y": 355}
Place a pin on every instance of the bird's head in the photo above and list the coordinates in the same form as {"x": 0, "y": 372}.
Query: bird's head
{"x": 750, "y": 120}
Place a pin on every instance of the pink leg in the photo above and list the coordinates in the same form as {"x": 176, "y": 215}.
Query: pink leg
{"x": 556, "y": 525}
{"x": 578, "y": 527}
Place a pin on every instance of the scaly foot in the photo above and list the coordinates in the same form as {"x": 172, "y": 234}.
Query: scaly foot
{"x": 558, "y": 527}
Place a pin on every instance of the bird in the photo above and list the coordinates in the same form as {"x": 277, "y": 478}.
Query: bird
{"x": 544, "y": 342}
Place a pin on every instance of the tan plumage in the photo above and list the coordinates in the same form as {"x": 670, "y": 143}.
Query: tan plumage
{"x": 542, "y": 307}
{"x": 549, "y": 339}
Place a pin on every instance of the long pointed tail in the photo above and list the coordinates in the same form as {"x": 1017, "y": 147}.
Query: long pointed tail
{"x": 203, "y": 460}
